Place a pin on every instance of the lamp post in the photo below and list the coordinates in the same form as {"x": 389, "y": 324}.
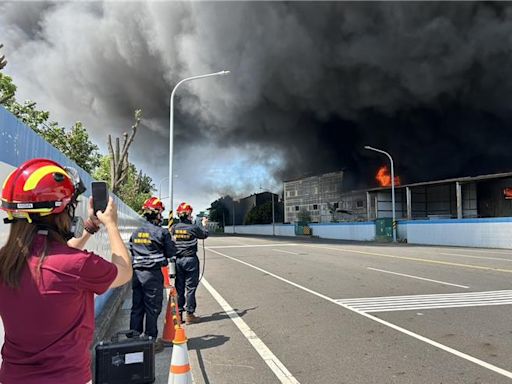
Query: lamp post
{"x": 171, "y": 128}
{"x": 392, "y": 185}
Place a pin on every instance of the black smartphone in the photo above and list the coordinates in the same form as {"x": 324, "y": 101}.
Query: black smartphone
{"x": 99, "y": 196}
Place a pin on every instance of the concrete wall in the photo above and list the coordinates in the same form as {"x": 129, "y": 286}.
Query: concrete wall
{"x": 484, "y": 233}
{"x": 364, "y": 231}
{"x": 262, "y": 229}
{"x": 401, "y": 230}
{"x": 491, "y": 233}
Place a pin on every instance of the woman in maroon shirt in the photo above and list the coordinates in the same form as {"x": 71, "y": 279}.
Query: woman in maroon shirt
{"x": 47, "y": 283}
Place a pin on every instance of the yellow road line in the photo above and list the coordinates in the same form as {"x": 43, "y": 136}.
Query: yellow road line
{"x": 415, "y": 259}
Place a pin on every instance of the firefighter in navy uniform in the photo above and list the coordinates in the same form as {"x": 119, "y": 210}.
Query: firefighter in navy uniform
{"x": 185, "y": 235}
{"x": 151, "y": 246}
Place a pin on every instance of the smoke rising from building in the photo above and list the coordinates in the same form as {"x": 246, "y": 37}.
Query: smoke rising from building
{"x": 311, "y": 84}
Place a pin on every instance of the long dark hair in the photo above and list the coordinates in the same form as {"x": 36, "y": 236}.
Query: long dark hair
{"x": 14, "y": 254}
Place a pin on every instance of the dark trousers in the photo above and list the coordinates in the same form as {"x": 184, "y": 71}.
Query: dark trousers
{"x": 187, "y": 279}
{"x": 147, "y": 290}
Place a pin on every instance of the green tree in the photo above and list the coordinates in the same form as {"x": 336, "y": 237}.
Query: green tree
{"x": 219, "y": 213}
{"x": 137, "y": 186}
{"x": 73, "y": 143}
{"x": 7, "y": 89}
{"x": 304, "y": 216}
{"x": 260, "y": 214}
{"x": 332, "y": 211}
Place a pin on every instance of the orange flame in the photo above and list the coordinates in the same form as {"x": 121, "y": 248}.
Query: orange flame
{"x": 384, "y": 178}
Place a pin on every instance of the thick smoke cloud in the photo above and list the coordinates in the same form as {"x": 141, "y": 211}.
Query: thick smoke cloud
{"x": 311, "y": 84}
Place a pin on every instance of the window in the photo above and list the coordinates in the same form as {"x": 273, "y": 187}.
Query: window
{"x": 296, "y": 207}
{"x": 287, "y": 193}
{"x": 336, "y": 205}
{"x": 359, "y": 204}
{"x": 315, "y": 207}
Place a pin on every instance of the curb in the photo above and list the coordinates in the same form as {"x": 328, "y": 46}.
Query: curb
{"x": 104, "y": 319}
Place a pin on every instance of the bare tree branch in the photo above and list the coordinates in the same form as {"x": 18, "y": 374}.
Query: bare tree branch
{"x": 112, "y": 163}
{"x": 119, "y": 164}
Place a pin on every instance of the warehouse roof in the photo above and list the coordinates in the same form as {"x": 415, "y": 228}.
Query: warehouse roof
{"x": 463, "y": 180}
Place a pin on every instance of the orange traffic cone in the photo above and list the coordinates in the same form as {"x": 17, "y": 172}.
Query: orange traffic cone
{"x": 167, "y": 281}
{"x": 179, "y": 372}
{"x": 171, "y": 318}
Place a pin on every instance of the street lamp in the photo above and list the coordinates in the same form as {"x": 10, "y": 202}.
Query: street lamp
{"x": 171, "y": 128}
{"x": 392, "y": 185}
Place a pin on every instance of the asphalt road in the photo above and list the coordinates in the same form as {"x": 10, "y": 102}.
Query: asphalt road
{"x": 299, "y": 311}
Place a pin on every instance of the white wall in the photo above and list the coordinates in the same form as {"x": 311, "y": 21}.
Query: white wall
{"x": 345, "y": 231}
{"x": 342, "y": 231}
{"x": 401, "y": 230}
{"x": 490, "y": 233}
{"x": 262, "y": 229}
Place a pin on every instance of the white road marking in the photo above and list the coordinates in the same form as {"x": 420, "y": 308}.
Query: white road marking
{"x": 474, "y": 257}
{"x": 250, "y": 246}
{"x": 498, "y": 251}
{"x": 445, "y": 348}
{"x": 434, "y": 301}
{"x": 417, "y": 277}
{"x": 283, "y": 251}
{"x": 266, "y": 354}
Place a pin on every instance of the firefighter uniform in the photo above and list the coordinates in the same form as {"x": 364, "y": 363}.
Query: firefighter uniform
{"x": 151, "y": 246}
{"x": 187, "y": 263}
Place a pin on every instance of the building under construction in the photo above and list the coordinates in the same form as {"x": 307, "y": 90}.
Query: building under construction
{"x": 318, "y": 195}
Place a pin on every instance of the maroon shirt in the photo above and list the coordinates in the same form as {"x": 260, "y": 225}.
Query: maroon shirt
{"x": 49, "y": 324}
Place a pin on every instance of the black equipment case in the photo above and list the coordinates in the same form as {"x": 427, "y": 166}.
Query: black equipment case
{"x": 127, "y": 361}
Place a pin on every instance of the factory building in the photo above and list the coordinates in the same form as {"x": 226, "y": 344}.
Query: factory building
{"x": 318, "y": 195}
{"x": 457, "y": 198}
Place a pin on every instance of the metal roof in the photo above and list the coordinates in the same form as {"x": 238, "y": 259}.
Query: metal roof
{"x": 314, "y": 175}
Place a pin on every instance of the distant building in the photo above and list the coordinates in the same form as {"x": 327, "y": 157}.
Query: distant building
{"x": 255, "y": 200}
{"x": 457, "y": 198}
{"x": 319, "y": 195}
{"x": 238, "y": 209}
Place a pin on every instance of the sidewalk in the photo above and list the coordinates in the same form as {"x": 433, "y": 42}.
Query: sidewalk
{"x": 121, "y": 322}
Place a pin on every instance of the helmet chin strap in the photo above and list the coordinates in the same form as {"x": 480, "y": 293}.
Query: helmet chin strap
{"x": 76, "y": 229}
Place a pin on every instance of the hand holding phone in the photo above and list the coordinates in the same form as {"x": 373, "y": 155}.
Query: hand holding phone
{"x": 99, "y": 196}
{"x": 109, "y": 216}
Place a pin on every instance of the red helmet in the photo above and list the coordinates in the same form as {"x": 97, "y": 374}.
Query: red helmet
{"x": 40, "y": 186}
{"x": 184, "y": 208}
{"x": 153, "y": 204}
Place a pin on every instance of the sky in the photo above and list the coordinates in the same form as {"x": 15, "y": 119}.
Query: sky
{"x": 311, "y": 84}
